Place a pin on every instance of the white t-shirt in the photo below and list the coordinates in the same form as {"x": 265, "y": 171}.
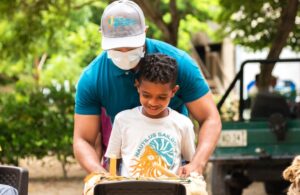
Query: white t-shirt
{"x": 142, "y": 142}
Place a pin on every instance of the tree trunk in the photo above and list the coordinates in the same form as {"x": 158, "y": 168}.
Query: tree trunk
{"x": 174, "y": 25}
{"x": 152, "y": 11}
{"x": 286, "y": 25}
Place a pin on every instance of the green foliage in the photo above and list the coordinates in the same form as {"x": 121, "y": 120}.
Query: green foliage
{"x": 36, "y": 97}
{"x": 230, "y": 108}
{"x": 58, "y": 29}
{"x": 188, "y": 27}
{"x": 36, "y": 121}
{"x": 254, "y": 23}
{"x": 197, "y": 16}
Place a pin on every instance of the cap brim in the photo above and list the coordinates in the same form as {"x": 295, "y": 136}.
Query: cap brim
{"x": 133, "y": 41}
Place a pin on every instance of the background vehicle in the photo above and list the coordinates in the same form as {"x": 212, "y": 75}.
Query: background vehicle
{"x": 258, "y": 148}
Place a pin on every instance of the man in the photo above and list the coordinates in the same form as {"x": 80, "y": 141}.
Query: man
{"x": 108, "y": 82}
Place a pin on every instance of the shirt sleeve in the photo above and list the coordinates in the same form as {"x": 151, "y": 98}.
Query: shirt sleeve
{"x": 191, "y": 80}
{"x": 188, "y": 141}
{"x": 87, "y": 101}
{"x": 115, "y": 141}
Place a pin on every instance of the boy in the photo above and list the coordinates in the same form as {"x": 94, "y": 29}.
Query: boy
{"x": 152, "y": 139}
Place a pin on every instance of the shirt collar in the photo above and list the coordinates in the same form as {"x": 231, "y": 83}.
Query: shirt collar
{"x": 118, "y": 71}
{"x": 149, "y": 47}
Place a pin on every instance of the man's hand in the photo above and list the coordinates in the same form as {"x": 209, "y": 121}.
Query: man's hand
{"x": 186, "y": 170}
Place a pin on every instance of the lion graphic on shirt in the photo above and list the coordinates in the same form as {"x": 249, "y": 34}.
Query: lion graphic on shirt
{"x": 143, "y": 166}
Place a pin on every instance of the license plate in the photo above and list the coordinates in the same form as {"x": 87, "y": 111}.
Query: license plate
{"x": 233, "y": 138}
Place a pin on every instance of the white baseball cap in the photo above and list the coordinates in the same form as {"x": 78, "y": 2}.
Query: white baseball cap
{"x": 123, "y": 25}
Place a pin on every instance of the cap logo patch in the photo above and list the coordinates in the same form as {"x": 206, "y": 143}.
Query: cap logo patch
{"x": 115, "y": 22}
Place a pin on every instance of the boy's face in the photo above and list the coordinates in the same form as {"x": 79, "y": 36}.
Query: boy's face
{"x": 155, "y": 98}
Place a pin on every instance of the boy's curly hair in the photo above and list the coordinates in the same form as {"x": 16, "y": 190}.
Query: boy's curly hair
{"x": 158, "y": 68}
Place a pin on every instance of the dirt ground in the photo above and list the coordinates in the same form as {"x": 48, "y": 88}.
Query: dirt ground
{"x": 46, "y": 178}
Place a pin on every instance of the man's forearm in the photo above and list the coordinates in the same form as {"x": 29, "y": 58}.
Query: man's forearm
{"x": 207, "y": 140}
{"x": 87, "y": 157}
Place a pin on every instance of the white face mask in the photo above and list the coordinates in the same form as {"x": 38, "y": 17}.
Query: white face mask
{"x": 126, "y": 60}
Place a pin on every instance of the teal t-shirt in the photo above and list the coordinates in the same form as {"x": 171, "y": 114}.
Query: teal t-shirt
{"x": 102, "y": 84}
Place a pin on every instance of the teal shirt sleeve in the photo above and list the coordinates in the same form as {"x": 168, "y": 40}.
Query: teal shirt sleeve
{"x": 87, "y": 101}
{"x": 190, "y": 79}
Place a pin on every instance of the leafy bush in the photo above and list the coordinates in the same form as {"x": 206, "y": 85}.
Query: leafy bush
{"x": 230, "y": 108}
{"x": 36, "y": 121}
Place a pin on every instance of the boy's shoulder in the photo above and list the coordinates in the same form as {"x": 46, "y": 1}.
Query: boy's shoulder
{"x": 182, "y": 122}
{"x": 126, "y": 113}
{"x": 179, "y": 117}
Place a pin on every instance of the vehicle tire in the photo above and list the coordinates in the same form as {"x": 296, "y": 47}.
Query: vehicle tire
{"x": 218, "y": 183}
{"x": 276, "y": 187}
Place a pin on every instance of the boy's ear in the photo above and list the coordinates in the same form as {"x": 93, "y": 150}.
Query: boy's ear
{"x": 175, "y": 89}
{"x": 136, "y": 83}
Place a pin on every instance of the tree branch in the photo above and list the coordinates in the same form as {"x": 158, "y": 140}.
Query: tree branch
{"x": 286, "y": 25}
{"x": 175, "y": 21}
{"x": 153, "y": 13}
